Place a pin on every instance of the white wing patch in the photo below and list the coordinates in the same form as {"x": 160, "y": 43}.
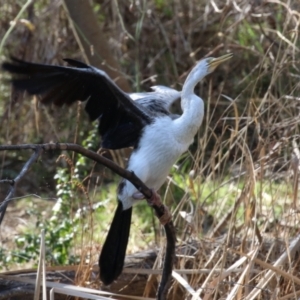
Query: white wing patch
{"x": 159, "y": 100}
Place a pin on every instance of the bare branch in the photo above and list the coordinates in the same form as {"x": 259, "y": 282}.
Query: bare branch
{"x": 169, "y": 261}
{"x": 130, "y": 176}
{"x": 10, "y": 181}
{"x": 32, "y": 159}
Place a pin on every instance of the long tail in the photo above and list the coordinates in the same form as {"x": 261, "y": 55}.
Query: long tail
{"x": 112, "y": 257}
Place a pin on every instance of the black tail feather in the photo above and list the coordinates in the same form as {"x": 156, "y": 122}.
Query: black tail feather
{"x": 112, "y": 257}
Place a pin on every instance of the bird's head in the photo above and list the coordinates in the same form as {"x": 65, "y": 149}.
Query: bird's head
{"x": 212, "y": 62}
{"x": 205, "y": 67}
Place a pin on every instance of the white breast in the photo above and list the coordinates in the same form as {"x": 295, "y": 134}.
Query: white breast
{"x": 159, "y": 148}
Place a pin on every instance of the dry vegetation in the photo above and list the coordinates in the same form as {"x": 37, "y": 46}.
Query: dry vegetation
{"x": 237, "y": 206}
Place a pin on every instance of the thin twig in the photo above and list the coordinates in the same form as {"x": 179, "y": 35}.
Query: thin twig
{"x": 32, "y": 159}
{"x": 13, "y": 24}
{"x": 9, "y": 181}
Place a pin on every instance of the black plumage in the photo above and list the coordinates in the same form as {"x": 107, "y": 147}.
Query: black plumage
{"x": 112, "y": 256}
{"x": 121, "y": 119}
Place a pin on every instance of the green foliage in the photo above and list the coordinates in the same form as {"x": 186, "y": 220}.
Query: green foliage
{"x": 83, "y": 165}
{"x": 60, "y": 230}
{"x": 248, "y": 36}
{"x": 98, "y": 12}
{"x": 165, "y": 7}
{"x": 62, "y": 227}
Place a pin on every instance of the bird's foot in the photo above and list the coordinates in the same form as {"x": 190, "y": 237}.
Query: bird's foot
{"x": 164, "y": 214}
{"x": 138, "y": 196}
{"x": 155, "y": 199}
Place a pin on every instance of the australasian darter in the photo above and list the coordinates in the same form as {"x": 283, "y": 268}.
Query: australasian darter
{"x": 140, "y": 120}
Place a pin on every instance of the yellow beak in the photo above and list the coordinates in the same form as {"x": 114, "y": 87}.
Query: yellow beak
{"x": 214, "y": 62}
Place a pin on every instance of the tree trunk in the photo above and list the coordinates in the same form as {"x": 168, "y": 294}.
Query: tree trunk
{"x": 93, "y": 41}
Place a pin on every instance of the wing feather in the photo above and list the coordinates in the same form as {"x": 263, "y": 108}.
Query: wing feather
{"x": 159, "y": 100}
{"x": 105, "y": 100}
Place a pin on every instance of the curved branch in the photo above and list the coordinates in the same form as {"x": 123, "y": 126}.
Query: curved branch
{"x": 169, "y": 259}
{"x": 160, "y": 210}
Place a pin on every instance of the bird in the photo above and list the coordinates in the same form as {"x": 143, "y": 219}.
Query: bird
{"x": 139, "y": 120}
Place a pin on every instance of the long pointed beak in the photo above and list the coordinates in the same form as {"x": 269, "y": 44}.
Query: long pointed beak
{"x": 217, "y": 61}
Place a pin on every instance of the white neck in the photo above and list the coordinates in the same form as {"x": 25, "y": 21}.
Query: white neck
{"x": 193, "y": 111}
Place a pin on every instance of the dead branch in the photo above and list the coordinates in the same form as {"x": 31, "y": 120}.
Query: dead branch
{"x": 14, "y": 182}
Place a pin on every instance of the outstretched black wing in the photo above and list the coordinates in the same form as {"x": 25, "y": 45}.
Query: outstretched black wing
{"x": 121, "y": 120}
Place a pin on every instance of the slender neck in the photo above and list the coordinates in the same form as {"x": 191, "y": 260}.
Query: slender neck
{"x": 187, "y": 93}
{"x": 195, "y": 76}
{"x": 193, "y": 111}
{"x": 190, "y": 120}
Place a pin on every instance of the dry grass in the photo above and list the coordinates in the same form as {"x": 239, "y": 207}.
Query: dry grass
{"x": 244, "y": 166}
